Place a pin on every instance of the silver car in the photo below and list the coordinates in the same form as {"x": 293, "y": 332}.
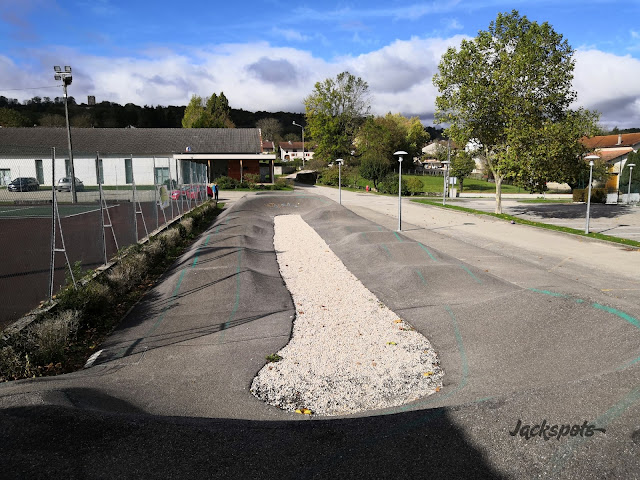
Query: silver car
{"x": 64, "y": 185}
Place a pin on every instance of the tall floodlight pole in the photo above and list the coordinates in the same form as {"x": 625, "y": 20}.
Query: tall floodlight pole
{"x": 591, "y": 158}
{"x": 631, "y": 165}
{"x": 340, "y": 162}
{"x": 400, "y": 154}
{"x": 66, "y": 78}
{"x": 302, "y": 142}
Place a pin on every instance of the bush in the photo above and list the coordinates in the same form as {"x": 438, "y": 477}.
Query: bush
{"x": 281, "y": 184}
{"x": 414, "y": 185}
{"x": 251, "y": 179}
{"x": 227, "y": 183}
{"x": 598, "y": 195}
{"x": 390, "y": 185}
{"x": 329, "y": 176}
{"x": 11, "y": 365}
{"x": 50, "y": 337}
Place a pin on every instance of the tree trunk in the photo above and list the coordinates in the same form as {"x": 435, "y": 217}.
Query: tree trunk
{"x": 498, "y": 179}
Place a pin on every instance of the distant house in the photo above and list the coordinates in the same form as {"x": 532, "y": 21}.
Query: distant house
{"x": 614, "y": 150}
{"x": 125, "y": 155}
{"x": 292, "y": 150}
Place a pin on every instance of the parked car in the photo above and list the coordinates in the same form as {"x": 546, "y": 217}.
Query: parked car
{"x": 64, "y": 185}
{"x": 23, "y": 184}
{"x": 191, "y": 192}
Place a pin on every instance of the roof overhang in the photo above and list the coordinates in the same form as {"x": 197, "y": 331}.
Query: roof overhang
{"x": 224, "y": 156}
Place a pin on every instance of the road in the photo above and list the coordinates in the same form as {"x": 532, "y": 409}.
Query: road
{"x": 537, "y": 331}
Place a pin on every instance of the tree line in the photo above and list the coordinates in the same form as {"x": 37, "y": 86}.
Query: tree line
{"x": 49, "y": 112}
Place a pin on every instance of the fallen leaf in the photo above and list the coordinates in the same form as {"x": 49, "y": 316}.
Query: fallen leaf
{"x": 397, "y": 321}
{"x": 391, "y": 343}
{"x": 437, "y": 389}
{"x": 427, "y": 374}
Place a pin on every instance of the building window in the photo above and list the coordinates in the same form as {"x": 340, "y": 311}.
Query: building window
{"x": 128, "y": 170}
{"x": 39, "y": 172}
{"x": 162, "y": 175}
{"x": 5, "y": 176}
{"x": 99, "y": 172}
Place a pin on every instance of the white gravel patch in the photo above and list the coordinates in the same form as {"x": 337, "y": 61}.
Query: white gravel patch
{"x": 348, "y": 352}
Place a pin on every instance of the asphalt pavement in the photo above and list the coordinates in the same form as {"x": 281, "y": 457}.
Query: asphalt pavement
{"x": 537, "y": 331}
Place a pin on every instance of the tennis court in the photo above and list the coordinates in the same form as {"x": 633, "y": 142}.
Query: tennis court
{"x": 25, "y": 245}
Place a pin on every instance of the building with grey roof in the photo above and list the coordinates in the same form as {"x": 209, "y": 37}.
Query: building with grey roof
{"x": 146, "y": 155}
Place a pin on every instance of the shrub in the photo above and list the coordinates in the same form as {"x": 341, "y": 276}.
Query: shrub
{"x": 414, "y": 185}
{"x": 51, "y": 336}
{"x": 11, "y": 365}
{"x": 227, "y": 183}
{"x": 598, "y": 195}
{"x": 281, "y": 184}
{"x": 187, "y": 224}
{"x": 329, "y": 176}
{"x": 251, "y": 179}
{"x": 390, "y": 185}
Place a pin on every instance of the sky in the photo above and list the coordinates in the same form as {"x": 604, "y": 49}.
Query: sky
{"x": 268, "y": 54}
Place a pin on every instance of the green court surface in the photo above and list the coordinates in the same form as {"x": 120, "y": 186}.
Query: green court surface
{"x": 44, "y": 211}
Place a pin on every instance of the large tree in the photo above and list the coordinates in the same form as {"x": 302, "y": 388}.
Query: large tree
{"x": 506, "y": 86}
{"x": 378, "y": 138}
{"x": 215, "y": 113}
{"x": 334, "y": 111}
{"x": 271, "y": 128}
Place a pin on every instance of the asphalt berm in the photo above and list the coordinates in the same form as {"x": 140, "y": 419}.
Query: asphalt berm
{"x": 541, "y": 365}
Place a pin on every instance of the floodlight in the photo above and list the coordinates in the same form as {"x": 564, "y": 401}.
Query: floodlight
{"x": 67, "y": 68}
{"x": 57, "y": 77}
{"x": 57, "y": 68}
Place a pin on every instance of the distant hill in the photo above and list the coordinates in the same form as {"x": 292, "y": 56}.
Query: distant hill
{"x": 49, "y": 112}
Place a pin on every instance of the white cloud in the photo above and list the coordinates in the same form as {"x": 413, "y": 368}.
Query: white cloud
{"x": 608, "y": 83}
{"x": 258, "y": 76}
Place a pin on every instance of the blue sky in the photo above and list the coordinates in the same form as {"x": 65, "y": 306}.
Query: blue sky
{"x": 267, "y": 55}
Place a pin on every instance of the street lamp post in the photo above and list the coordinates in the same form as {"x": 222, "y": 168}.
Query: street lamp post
{"x": 591, "y": 158}
{"x": 302, "y": 142}
{"x": 340, "y": 162}
{"x": 400, "y": 153}
{"x": 66, "y": 78}
{"x": 445, "y": 175}
{"x": 631, "y": 165}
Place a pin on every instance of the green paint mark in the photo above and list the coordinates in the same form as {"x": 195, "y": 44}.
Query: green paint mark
{"x": 633, "y": 321}
{"x": 386, "y": 249}
{"x": 126, "y": 350}
{"x": 398, "y": 236}
{"x": 195, "y": 260}
{"x": 547, "y": 292}
{"x": 428, "y": 252}
{"x": 464, "y": 267}
{"x": 421, "y": 277}
{"x": 627, "y": 365}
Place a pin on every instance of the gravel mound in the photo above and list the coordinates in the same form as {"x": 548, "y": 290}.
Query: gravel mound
{"x": 348, "y": 352}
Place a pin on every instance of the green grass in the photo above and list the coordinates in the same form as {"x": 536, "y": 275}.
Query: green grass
{"x": 434, "y": 184}
{"x": 522, "y": 221}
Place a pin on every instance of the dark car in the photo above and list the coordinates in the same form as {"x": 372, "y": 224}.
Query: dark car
{"x": 64, "y": 185}
{"x": 23, "y": 184}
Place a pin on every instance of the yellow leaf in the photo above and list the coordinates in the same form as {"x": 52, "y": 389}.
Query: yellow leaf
{"x": 427, "y": 374}
{"x": 398, "y": 320}
{"x": 391, "y": 343}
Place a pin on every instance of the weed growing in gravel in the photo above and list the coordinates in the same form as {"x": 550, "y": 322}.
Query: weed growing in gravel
{"x": 274, "y": 357}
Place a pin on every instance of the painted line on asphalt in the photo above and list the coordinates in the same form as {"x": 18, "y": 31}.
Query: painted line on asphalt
{"x": 126, "y": 350}
{"x": 421, "y": 277}
{"x": 428, "y": 252}
{"x": 466, "y": 269}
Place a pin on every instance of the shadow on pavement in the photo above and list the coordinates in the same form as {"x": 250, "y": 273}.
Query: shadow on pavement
{"x": 60, "y": 442}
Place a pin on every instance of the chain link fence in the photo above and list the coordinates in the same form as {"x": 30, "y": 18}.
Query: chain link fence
{"x": 120, "y": 200}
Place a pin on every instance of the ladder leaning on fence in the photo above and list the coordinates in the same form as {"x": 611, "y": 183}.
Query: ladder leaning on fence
{"x": 55, "y": 222}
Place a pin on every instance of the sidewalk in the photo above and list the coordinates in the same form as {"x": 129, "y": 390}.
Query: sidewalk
{"x": 551, "y": 249}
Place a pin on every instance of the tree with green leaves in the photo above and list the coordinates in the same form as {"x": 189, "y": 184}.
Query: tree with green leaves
{"x": 462, "y": 164}
{"x": 623, "y": 185}
{"x": 12, "y": 118}
{"x": 334, "y": 111}
{"x": 508, "y": 90}
{"x": 215, "y": 113}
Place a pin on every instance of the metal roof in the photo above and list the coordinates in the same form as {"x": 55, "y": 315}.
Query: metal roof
{"x": 129, "y": 141}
